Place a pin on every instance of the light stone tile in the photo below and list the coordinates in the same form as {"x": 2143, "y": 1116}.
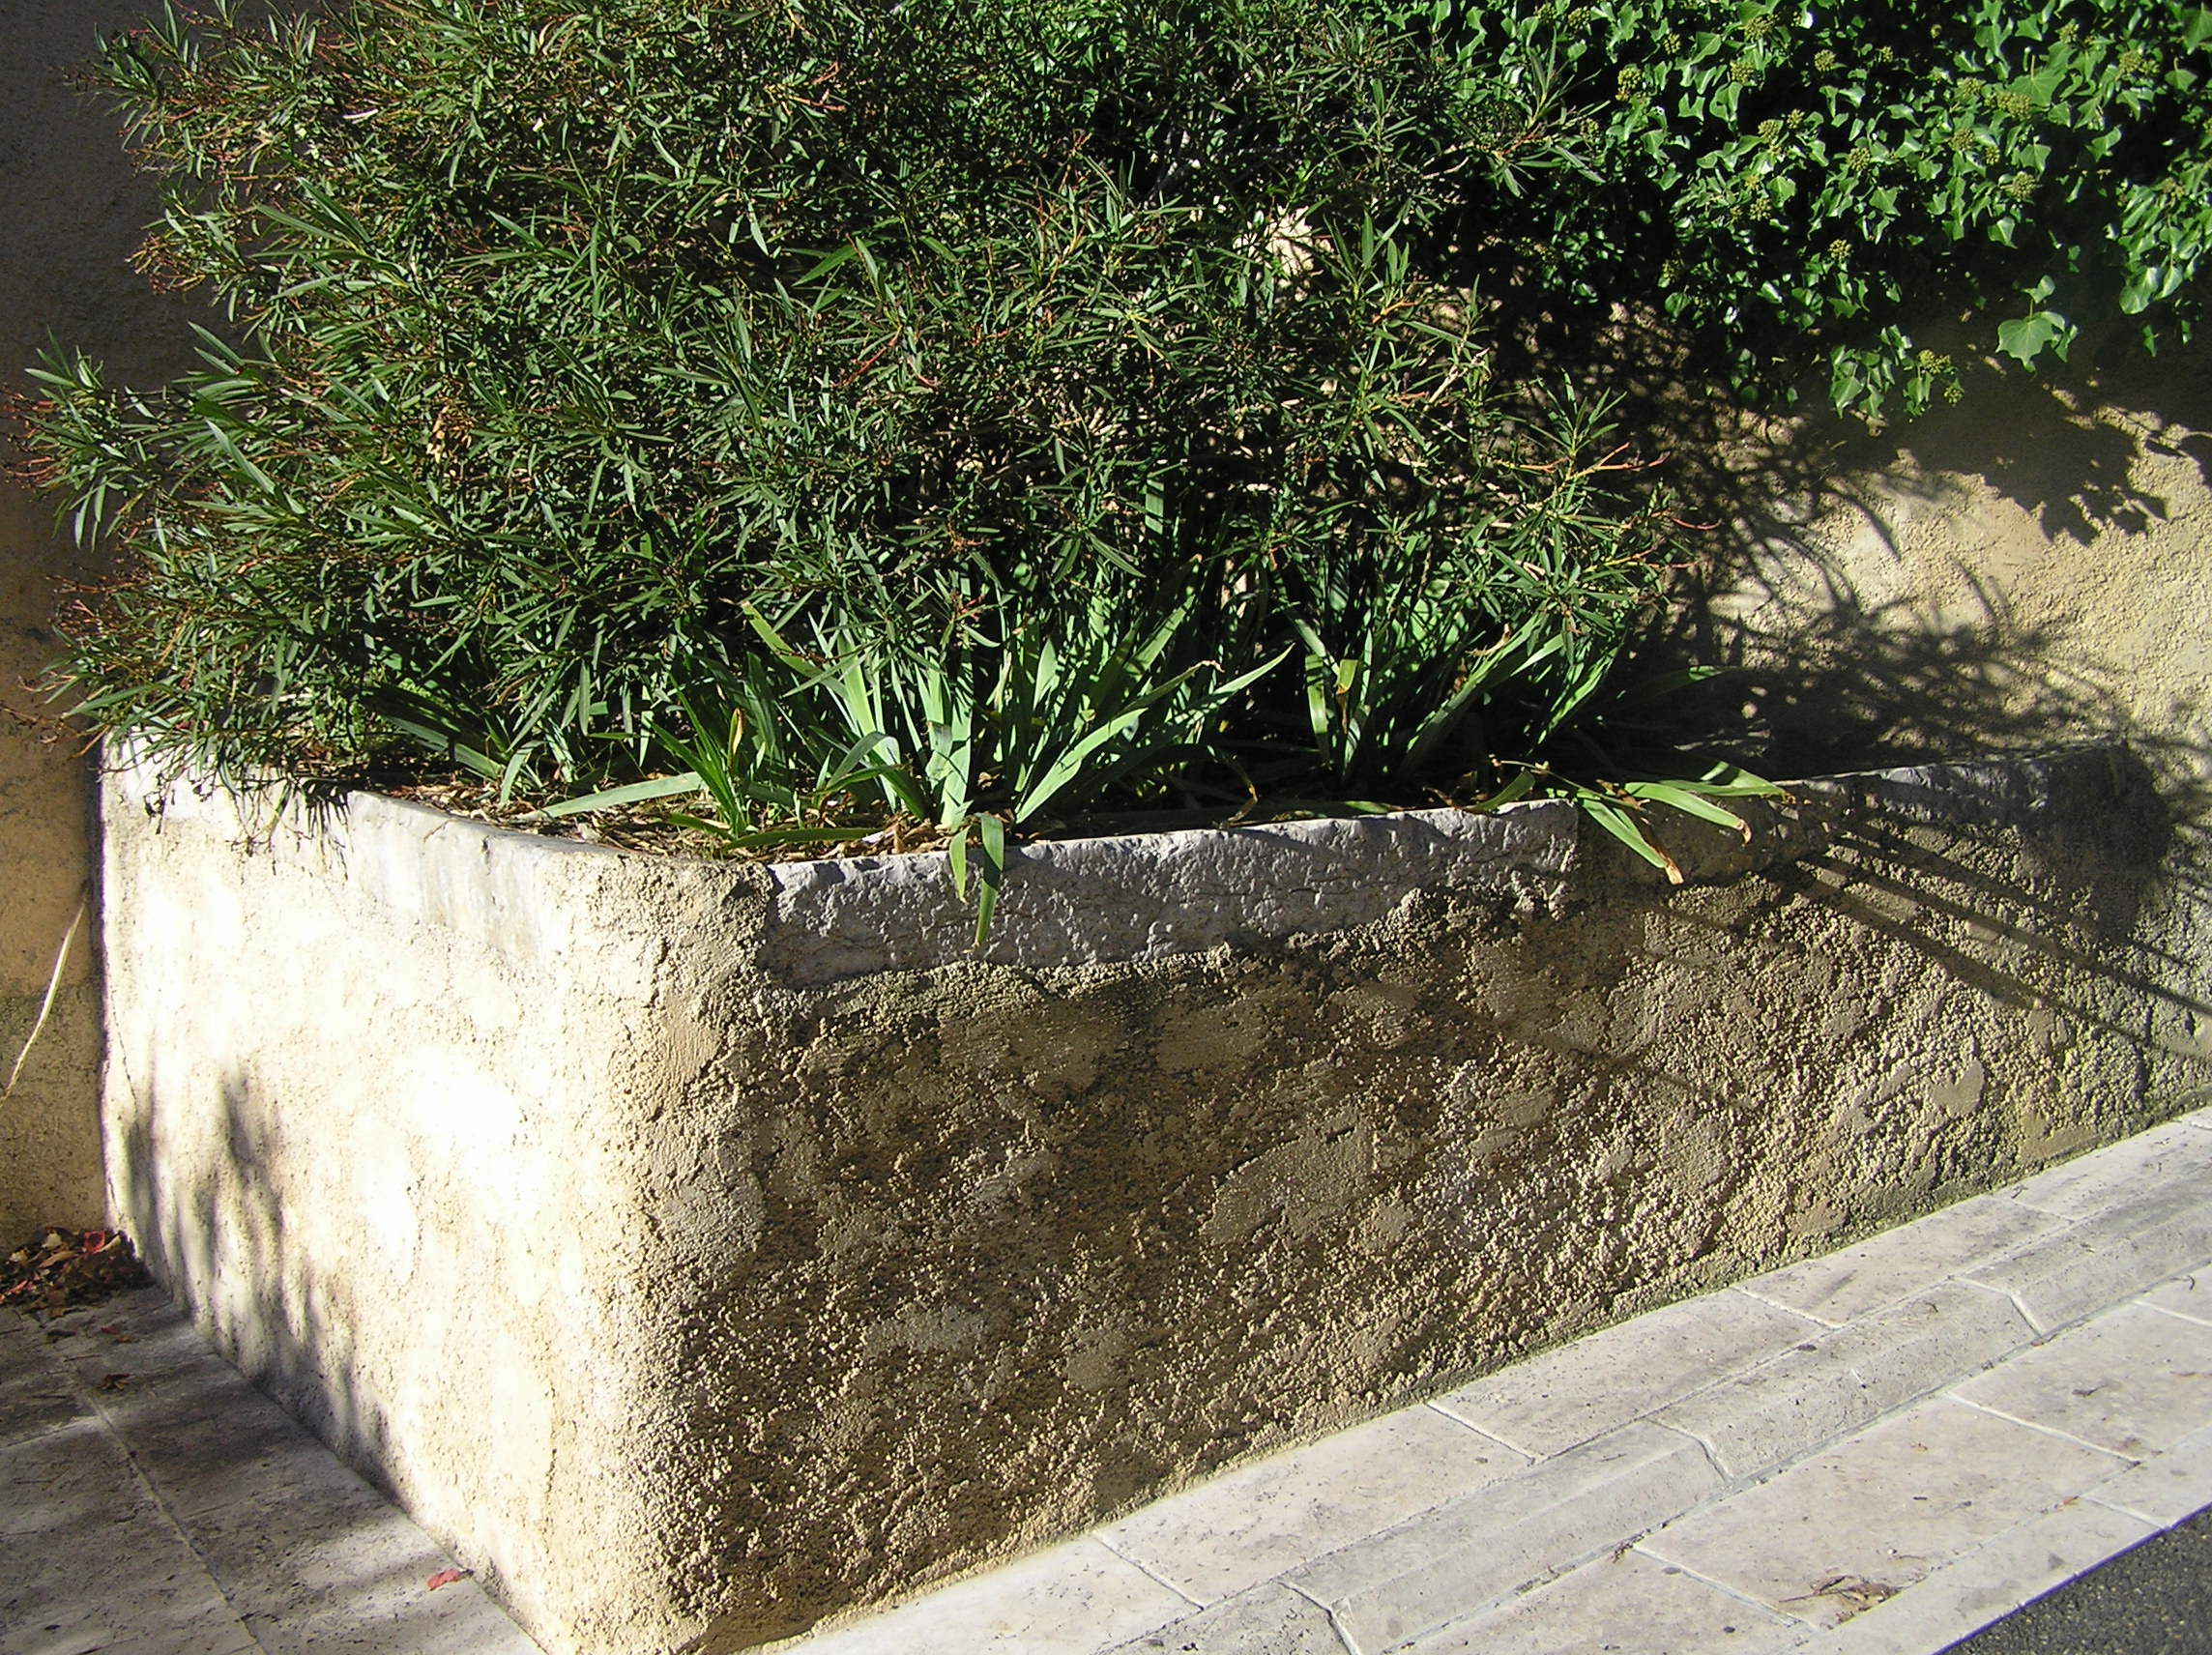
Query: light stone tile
{"x": 316, "y": 1562}
{"x": 2106, "y": 1258}
{"x": 1581, "y": 1390}
{"x": 197, "y": 1427}
{"x": 74, "y": 1473}
{"x": 1074, "y": 1598}
{"x": 1987, "y": 1584}
{"x": 2189, "y": 1295}
{"x": 121, "y": 1604}
{"x": 1457, "y": 1560}
{"x": 2134, "y": 1381}
{"x": 1631, "y": 1604}
{"x": 1267, "y": 1620}
{"x": 37, "y": 1392}
{"x": 1254, "y": 1523}
{"x": 233, "y": 1639}
{"x": 2167, "y": 1488}
{"x": 87, "y": 1558}
{"x": 1849, "y": 1528}
{"x": 2172, "y": 1156}
{"x": 1816, "y": 1393}
{"x": 1883, "y": 1270}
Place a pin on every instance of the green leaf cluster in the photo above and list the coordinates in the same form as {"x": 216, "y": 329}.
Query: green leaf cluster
{"x": 1809, "y": 188}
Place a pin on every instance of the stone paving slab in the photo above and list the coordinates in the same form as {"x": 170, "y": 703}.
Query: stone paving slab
{"x": 152, "y": 1503}
{"x": 1836, "y": 1534}
{"x": 1849, "y": 1376}
{"x": 1253, "y": 1525}
{"x": 1630, "y": 1602}
{"x": 1456, "y": 1561}
{"x": 1876, "y": 1452}
{"x": 1580, "y": 1390}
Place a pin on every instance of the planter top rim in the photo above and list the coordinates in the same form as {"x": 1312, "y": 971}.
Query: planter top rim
{"x": 1139, "y": 896}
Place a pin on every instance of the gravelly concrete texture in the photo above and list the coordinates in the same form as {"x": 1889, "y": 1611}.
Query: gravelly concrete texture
{"x": 799, "y": 1290}
{"x": 1876, "y": 1452}
{"x": 152, "y": 1503}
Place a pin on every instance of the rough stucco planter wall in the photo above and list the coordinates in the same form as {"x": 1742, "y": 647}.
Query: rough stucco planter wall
{"x": 701, "y": 1248}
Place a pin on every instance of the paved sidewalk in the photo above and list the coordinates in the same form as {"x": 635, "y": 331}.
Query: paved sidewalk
{"x": 152, "y": 1503}
{"x": 1876, "y": 1452}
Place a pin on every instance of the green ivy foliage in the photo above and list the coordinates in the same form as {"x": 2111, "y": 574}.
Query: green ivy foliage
{"x": 1808, "y": 185}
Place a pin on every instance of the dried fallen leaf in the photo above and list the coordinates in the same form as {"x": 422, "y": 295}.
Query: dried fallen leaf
{"x": 60, "y": 1268}
{"x": 113, "y": 1381}
{"x": 445, "y": 1577}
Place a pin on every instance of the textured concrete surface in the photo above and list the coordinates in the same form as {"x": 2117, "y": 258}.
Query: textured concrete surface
{"x": 1995, "y": 1478}
{"x": 73, "y": 210}
{"x": 795, "y": 1286}
{"x": 152, "y": 1503}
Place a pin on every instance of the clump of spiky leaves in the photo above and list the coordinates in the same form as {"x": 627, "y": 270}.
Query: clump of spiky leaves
{"x": 958, "y": 407}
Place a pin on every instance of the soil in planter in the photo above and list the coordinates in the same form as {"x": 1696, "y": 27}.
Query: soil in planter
{"x": 651, "y": 827}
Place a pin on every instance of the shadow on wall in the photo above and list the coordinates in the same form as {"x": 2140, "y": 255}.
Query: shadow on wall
{"x": 219, "y": 1246}
{"x": 2028, "y": 568}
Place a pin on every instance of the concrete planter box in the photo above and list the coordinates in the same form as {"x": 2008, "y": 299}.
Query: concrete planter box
{"x": 701, "y": 1249}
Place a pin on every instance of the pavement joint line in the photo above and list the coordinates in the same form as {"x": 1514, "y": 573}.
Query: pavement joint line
{"x": 1734, "y": 1593}
{"x": 1336, "y": 1626}
{"x": 2095, "y": 1497}
{"x": 1812, "y": 1315}
{"x": 1712, "y": 1459}
{"x": 2043, "y": 1334}
{"x": 2144, "y": 1303}
{"x": 1434, "y": 1405}
{"x": 102, "y": 1423}
{"x": 100, "y": 1416}
{"x": 1138, "y": 1564}
{"x": 1534, "y": 1456}
{"x": 2126, "y": 1461}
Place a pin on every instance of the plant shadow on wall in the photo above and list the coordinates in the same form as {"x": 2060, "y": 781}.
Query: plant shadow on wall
{"x": 201, "y": 1200}
{"x": 1975, "y": 581}
{"x": 959, "y": 417}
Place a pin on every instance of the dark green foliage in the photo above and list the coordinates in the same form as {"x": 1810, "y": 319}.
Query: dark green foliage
{"x": 1027, "y": 372}
{"x": 1808, "y": 185}
{"x": 968, "y": 408}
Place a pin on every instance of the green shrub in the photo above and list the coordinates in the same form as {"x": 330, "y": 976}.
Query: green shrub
{"x": 1807, "y": 186}
{"x": 954, "y": 400}
{"x": 998, "y": 408}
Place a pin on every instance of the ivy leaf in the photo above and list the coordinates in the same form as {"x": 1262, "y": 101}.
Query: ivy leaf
{"x": 2026, "y": 337}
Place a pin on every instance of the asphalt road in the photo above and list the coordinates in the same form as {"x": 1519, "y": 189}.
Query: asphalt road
{"x": 2155, "y": 1600}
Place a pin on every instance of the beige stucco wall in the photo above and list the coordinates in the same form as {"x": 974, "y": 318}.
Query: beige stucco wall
{"x": 70, "y": 212}
{"x": 693, "y": 1281}
{"x": 2031, "y": 564}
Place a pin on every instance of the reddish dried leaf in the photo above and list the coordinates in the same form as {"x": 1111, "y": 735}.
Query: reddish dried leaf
{"x": 445, "y": 1577}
